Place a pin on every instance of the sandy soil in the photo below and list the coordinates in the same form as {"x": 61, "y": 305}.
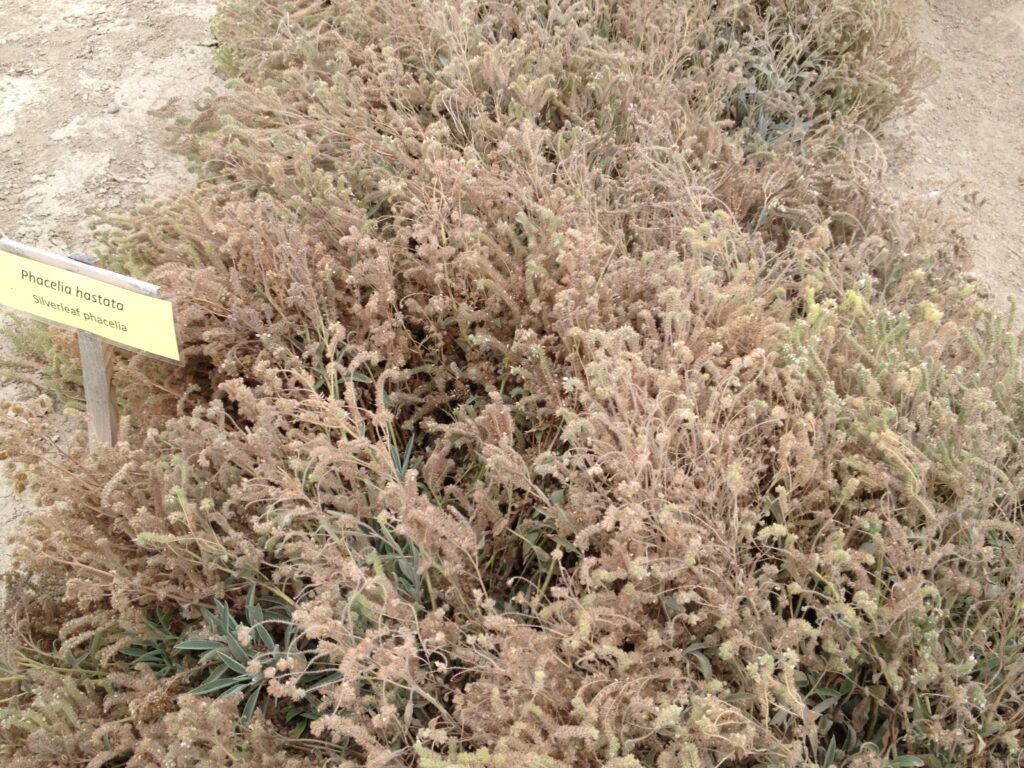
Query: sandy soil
{"x": 967, "y": 136}
{"x": 87, "y": 91}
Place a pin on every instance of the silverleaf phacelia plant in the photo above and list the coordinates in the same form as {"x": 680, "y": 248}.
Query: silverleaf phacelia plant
{"x": 562, "y": 388}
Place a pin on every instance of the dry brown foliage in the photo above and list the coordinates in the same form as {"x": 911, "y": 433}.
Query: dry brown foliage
{"x": 562, "y": 389}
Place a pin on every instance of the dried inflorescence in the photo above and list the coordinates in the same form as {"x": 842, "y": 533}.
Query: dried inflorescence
{"x": 562, "y": 388}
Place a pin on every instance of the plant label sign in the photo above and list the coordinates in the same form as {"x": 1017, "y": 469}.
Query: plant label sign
{"x": 123, "y": 311}
{"x": 105, "y": 307}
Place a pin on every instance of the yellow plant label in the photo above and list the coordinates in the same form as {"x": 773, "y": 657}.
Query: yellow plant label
{"x": 125, "y": 317}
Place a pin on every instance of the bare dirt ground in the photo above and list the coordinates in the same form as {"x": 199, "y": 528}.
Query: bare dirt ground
{"x": 87, "y": 91}
{"x": 969, "y": 129}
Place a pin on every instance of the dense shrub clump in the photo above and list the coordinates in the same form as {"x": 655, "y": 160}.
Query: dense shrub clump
{"x": 562, "y": 389}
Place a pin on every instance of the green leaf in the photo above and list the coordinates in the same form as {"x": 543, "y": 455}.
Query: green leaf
{"x": 408, "y": 451}
{"x": 199, "y": 645}
{"x": 211, "y": 686}
{"x": 210, "y": 655}
{"x": 250, "y": 706}
{"x": 830, "y": 754}
{"x": 265, "y": 636}
{"x": 694, "y": 649}
{"x": 236, "y": 688}
{"x": 136, "y": 653}
{"x": 396, "y": 460}
{"x": 333, "y": 677}
{"x": 704, "y": 663}
{"x": 276, "y": 617}
{"x": 825, "y": 704}
{"x": 234, "y": 646}
{"x": 227, "y": 618}
{"x": 250, "y": 602}
{"x": 906, "y": 761}
{"x": 210, "y": 619}
{"x": 232, "y": 664}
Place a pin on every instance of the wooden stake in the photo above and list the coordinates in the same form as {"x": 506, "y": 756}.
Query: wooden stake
{"x": 100, "y": 397}
{"x": 98, "y": 379}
